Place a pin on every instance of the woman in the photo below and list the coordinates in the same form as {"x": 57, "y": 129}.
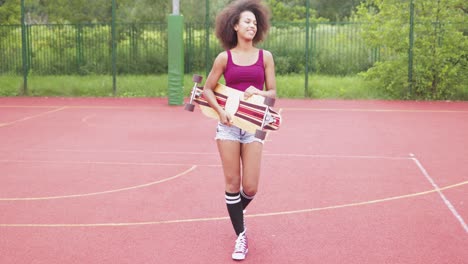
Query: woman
{"x": 239, "y": 27}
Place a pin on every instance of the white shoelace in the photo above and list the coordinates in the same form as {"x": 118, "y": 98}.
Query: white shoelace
{"x": 241, "y": 243}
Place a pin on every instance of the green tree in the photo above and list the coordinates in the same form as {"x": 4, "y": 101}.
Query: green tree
{"x": 143, "y": 10}
{"x": 10, "y": 12}
{"x": 64, "y": 11}
{"x": 439, "y": 52}
{"x": 85, "y": 11}
{"x": 334, "y": 10}
{"x": 290, "y": 11}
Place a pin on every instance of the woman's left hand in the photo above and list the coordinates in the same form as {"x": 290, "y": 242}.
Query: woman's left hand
{"x": 250, "y": 91}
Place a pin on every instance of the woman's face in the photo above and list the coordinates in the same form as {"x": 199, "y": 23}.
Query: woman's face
{"x": 247, "y": 25}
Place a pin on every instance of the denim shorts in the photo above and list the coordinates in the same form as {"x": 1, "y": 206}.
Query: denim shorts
{"x": 224, "y": 132}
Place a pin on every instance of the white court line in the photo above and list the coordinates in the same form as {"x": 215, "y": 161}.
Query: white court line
{"x": 103, "y": 192}
{"x": 86, "y": 162}
{"x": 442, "y": 196}
{"x": 436, "y": 189}
{"x": 327, "y": 156}
{"x": 118, "y": 151}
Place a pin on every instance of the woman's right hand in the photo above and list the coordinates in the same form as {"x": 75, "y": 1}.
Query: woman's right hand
{"x": 225, "y": 118}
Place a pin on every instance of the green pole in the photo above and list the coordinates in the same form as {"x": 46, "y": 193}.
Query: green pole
{"x": 176, "y": 56}
{"x": 114, "y": 51}
{"x": 410, "y": 49}
{"x": 207, "y": 37}
{"x": 24, "y": 49}
{"x": 306, "y": 90}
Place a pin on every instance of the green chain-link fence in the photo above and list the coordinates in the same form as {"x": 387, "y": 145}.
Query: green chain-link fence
{"x": 336, "y": 48}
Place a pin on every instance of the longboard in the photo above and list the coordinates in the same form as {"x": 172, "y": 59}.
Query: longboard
{"x": 253, "y": 114}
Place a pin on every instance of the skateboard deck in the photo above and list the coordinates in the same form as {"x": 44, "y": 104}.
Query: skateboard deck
{"x": 252, "y": 114}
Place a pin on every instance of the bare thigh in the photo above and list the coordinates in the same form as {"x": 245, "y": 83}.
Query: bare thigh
{"x": 251, "y": 155}
{"x": 230, "y": 152}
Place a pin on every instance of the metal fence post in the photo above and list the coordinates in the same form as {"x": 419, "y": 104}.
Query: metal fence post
{"x": 207, "y": 37}
{"x": 410, "y": 50}
{"x": 306, "y": 90}
{"x": 114, "y": 54}
{"x": 24, "y": 49}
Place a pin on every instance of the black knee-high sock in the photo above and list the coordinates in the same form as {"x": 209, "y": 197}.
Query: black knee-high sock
{"x": 234, "y": 206}
{"x": 245, "y": 199}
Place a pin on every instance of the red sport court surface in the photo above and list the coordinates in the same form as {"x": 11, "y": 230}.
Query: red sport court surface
{"x": 137, "y": 181}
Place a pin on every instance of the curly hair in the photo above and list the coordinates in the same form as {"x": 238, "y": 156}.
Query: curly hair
{"x": 229, "y": 17}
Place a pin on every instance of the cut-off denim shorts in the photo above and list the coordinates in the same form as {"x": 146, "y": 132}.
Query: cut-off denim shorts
{"x": 224, "y": 132}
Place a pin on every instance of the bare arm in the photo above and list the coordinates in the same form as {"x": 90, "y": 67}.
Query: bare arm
{"x": 212, "y": 80}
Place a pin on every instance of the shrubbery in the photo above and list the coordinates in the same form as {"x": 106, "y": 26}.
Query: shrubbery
{"x": 439, "y": 68}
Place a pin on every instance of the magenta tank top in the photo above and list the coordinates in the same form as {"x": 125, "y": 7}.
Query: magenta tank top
{"x": 242, "y": 77}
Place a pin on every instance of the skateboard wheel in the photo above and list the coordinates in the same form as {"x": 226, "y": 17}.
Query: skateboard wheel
{"x": 269, "y": 101}
{"x": 197, "y": 78}
{"x": 189, "y": 107}
{"x": 260, "y": 134}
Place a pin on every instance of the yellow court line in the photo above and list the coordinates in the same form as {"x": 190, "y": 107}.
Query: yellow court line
{"x": 284, "y": 108}
{"x": 373, "y": 110}
{"x": 400, "y": 197}
{"x": 103, "y": 192}
{"x": 33, "y": 116}
{"x": 207, "y": 219}
{"x": 86, "y": 106}
{"x": 281, "y": 155}
{"x": 30, "y": 106}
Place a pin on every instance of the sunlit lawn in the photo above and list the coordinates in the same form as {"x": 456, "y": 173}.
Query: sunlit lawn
{"x": 288, "y": 86}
